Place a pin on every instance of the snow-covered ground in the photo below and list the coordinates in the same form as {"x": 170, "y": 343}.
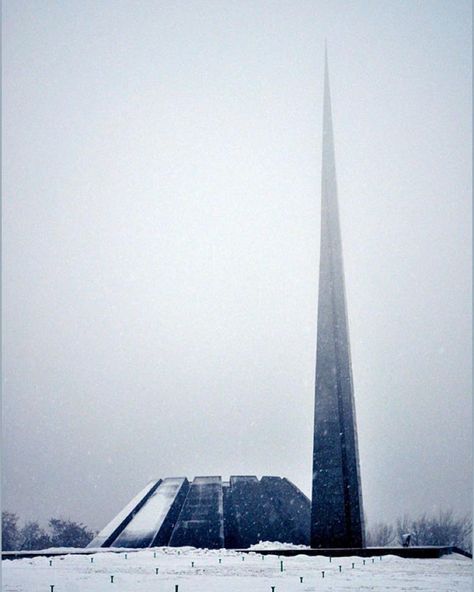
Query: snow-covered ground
{"x": 195, "y": 570}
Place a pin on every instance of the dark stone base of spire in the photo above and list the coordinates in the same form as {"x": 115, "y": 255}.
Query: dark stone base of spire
{"x": 336, "y": 517}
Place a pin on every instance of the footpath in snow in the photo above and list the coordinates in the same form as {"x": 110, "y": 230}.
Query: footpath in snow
{"x": 168, "y": 569}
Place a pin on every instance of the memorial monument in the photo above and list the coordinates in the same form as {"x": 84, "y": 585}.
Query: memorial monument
{"x": 336, "y": 509}
{"x": 212, "y": 513}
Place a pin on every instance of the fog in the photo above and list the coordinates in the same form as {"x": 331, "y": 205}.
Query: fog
{"x": 161, "y": 209}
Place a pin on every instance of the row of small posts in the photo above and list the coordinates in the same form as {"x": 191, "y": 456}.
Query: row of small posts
{"x": 176, "y": 587}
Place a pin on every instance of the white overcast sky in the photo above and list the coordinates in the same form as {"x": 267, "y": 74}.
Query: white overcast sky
{"x": 161, "y": 187}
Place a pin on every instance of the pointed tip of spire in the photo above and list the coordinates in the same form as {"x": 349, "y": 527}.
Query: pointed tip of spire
{"x": 326, "y": 61}
{"x": 327, "y": 94}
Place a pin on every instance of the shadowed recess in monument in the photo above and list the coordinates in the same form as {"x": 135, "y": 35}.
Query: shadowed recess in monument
{"x": 201, "y": 520}
{"x": 212, "y": 514}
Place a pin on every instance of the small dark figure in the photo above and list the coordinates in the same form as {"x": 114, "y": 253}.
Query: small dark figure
{"x": 406, "y": 538}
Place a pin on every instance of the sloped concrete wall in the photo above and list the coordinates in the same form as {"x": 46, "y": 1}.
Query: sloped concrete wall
{"x": 211, "y": 514}
{"x": 201, "y": 520}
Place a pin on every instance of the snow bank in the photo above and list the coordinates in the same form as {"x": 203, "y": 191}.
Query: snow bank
{"x": 198, "y": 570}
{"x": 276, "y": 545}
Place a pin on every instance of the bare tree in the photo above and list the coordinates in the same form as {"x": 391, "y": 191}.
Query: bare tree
{"x": 445, "y": 528}
{"x": 9, "y": 531}
{"x": 62, "y": 533}
{"x": 380, "y": 535}
{"x": 32, "y": 536}
{"x": 66, "y": 533}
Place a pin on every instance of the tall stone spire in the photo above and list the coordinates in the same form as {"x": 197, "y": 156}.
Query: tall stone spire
{"x": 336, "y": 509}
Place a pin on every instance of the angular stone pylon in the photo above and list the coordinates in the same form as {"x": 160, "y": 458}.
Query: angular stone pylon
{"x": 336, "y": 507}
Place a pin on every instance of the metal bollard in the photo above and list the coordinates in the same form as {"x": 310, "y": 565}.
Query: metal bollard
{"x": 353, "y": 565}
{"x": 92, "y": 560}
{"x": 154, "y": 555}
{"x": 220, "y": 560}
{"x": 373, "y": 560}
{"x": 340, "y": 568}
{"x": 156, "y": 570}
{"x": 322, "y": 574}
{"x": 111, "y": 579}
{"x": 50, "y": 562}
{"x": 363, "y": 561}
{"x": 243, "y": 558}
{"x": 192, "y": 563}
{"x": 281, "y": 565}
{"x": 301, "y": 579}
{"x": 52, "y": 587}
{"x": 126, "y": 556}
{"x": 330, "y": 559}
{"x": 176, "y": 588}
{"x": 273, "y": 588}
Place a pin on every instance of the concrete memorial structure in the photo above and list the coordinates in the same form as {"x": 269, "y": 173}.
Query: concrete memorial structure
{"x": 213, "y": 514}
{"x": 336, "y": 513}
{"x": 210, "y": 513}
